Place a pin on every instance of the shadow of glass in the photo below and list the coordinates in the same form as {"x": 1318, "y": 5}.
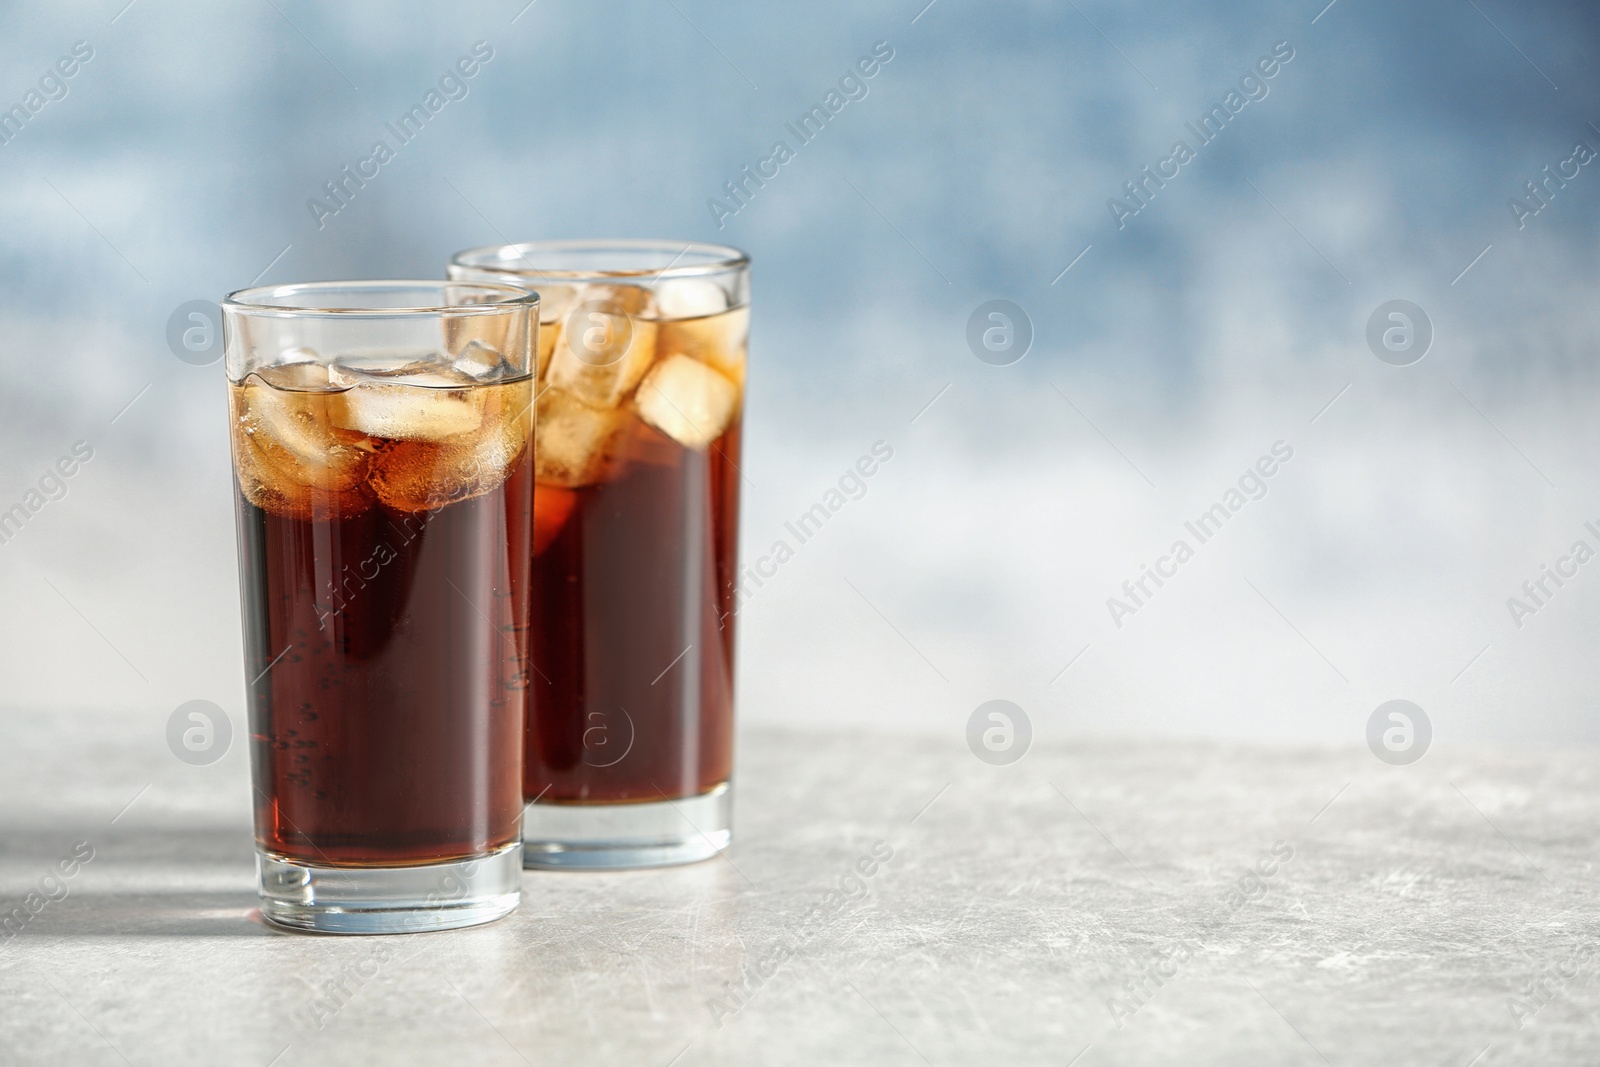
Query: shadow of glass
{"x": 175, "y": 912}
{"x": 139, "y": 881}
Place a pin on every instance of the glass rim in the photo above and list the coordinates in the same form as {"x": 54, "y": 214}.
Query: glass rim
{"x": 255, "y": 299}
{"x": 491, "y": 258}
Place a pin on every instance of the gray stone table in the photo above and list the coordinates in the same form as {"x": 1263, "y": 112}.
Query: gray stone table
{"x": 1094, "y": 903}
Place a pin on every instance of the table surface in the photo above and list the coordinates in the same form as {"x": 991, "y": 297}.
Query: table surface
{"x": 1095, "y": 903}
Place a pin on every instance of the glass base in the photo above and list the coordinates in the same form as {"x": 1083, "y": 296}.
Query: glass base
{"x": 593, "y": 837}
{"x": 389, "y": 900}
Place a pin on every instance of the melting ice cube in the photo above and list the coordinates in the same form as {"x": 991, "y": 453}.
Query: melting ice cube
{"x": 690, "y": 298}
{"x": 420, "y": 475}
{"x": 687, "y": 401}
{"x": 481, "y": 363}
{"x": 429, "y": 406}
{"x": 719, "y": 340}
{"x": 573, "y": 442}
{"x": 607, "y": 342}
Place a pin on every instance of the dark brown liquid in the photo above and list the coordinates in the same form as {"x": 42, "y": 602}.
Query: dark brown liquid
{"x": 631, "y": 688}
{"x": 388, "y": 732}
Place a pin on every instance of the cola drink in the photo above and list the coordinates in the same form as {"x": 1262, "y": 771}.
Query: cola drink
{"x": 637, "y": 432}
{"x": 383, "y": 527}
{"x": 636, "y": 504}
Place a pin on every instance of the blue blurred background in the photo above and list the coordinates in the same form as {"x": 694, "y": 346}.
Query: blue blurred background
{"x": 1227, "y": 314}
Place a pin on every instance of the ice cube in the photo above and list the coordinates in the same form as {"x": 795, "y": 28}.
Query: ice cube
{"x": 491, "y": 330}
{"x": 687, "y": 401}
{"x": 719, "y": 340}
{"x": 266, "y": 486}
{"x": 439, "y": 378}
{"x": 272, "y": 493}
{"x": 421, "y": 475}
{"x": 607, "y": 342}
{"x": 573, "y": 443}
{"x": 297, "y": 369}
{"x": 389, "y": 365}
{"x": 554, "y": 303}
{"x": 633, "y": 300}
{"x": 290, "y": 457}
{"x": 429, "y": 406}
{"x": 298, "y": 426}
{"x": 481, "y": 363}
{"x": 690, "y": 298}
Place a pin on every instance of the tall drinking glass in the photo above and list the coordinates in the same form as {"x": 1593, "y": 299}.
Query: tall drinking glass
{"x": 636, "y": 518}
{"x": 381, "y": 447}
